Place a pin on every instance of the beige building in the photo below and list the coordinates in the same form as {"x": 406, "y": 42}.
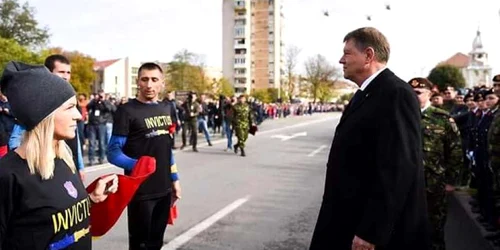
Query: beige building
{"x": 253, "y": 49}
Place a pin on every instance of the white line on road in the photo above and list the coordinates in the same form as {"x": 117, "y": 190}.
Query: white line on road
{"x": 313, "y": 153}
{"x": 191, "y": 233}
{"x": 108, "y": 165}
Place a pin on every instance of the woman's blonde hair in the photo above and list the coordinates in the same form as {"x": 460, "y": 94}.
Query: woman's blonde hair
{"x": 40, "y": 150}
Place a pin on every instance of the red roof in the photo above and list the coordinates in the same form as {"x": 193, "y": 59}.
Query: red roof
{"x": 99, "y": 65}
{"x": 459, "y": 60}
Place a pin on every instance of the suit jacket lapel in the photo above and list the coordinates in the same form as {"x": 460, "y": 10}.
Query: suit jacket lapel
{"x": 366, "y": 94}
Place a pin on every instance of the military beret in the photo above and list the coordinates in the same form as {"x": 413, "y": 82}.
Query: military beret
{"x": 419, "y": 82}
{"x": 479, "y": 96}
{"x": 489, "y": 92}
{"x": 469, "y": 95}
{"x": 496, "y": 78}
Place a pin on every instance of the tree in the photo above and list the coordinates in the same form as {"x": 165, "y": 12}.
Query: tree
{"x": 224, "y": 87}
{"x": 261, "y": 95}
{"x": 82, "y": 68}
{"x": 10, "y": 50}
{"x": 447, "y": 75}
{"x": 318, "y": 71}
{"x": 325, "y": 91}
{"x": 187, "y": 72}
{"x": 18, "y": 23}
{"x": 292, "y": 53}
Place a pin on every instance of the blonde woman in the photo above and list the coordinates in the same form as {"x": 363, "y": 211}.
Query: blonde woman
{"x": 43, "y": 203}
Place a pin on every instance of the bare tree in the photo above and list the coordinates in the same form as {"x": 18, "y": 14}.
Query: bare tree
{"x": 318, "y": 72}
{"x": 292, "y": 53}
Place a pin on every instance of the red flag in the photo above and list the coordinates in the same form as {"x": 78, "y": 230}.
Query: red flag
{"x": 173, "y": 215}
{"x": 105, "y": 214}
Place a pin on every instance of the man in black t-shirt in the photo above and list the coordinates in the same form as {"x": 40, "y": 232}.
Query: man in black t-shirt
{"x": 142, "y": 127}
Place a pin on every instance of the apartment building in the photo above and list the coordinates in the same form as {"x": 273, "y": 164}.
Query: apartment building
{"x": 253, "y": 50}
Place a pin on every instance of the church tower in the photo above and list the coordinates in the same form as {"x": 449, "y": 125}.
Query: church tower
{"x": 478, "y": 71}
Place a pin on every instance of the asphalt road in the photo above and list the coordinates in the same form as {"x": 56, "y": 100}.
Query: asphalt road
{"x": 267, "y": 200}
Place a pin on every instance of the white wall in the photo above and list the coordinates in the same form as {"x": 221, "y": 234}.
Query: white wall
{"x": 114, "y": 78}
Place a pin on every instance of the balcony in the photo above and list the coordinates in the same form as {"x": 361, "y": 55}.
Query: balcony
{"x": 239, "y": 74}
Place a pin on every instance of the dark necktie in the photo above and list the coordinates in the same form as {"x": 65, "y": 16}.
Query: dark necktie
{"x": 356, "y": 97}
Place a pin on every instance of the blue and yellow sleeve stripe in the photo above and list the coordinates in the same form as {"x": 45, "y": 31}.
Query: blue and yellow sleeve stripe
{"x": 174, "y": 174}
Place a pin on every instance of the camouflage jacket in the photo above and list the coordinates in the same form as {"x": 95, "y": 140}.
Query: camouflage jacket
{"x": 442, "y": 149}
{"x": 494, "y": 140}
{"x": 242, "y": 115}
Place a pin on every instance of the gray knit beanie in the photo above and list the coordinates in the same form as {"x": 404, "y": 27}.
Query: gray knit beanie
{"x": 33, "y": 92}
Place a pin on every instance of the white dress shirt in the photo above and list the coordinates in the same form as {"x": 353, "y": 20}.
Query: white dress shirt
{"x": 370, "y": 79}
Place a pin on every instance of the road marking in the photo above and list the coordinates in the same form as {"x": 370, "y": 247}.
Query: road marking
{"x": 200, "y": 227}
{"x": 108, "y": 165}
{"x": 289, "y": 137}
{"x": 313, "y": 153}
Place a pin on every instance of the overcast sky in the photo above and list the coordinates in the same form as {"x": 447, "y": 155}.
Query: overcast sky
{"x": 421, "y": 33}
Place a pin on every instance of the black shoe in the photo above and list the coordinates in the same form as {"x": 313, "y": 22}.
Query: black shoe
{"x": 209, "y": 144}
{"x": 195, "y": 150}
{"x": 183, "y": 146}
{"x": 243, "y": 152}
{"x": 236, "y": 148}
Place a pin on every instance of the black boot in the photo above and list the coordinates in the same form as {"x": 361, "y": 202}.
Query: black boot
{"x": 243, "y": 152}
{"x": 209, "y": 144}
{"x": 235, "y": 148}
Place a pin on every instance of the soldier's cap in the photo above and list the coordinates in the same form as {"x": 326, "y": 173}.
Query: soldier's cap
{"x": 462, "y": 92}
{"x": 242, "y": 96}
{"x": 420, "y": 82}
{"x": 469, "y": 95}
{"x": 489, "y": 92}
{"x": 496, "y": 79}
{"x": 480, "y": 96}
{"x": 436, "y": 94}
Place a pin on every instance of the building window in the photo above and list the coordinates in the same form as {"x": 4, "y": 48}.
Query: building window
{"x": 135, "y": 70}
{"x": 240, "y": 31}
{"x": 271, "y": 2}
{"x": 271, "y": 13}
{"x": 239, "y": 60}
{"x": 240, "y": 3}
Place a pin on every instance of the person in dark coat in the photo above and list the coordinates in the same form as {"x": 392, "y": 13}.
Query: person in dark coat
{"x": 374, "y": 195}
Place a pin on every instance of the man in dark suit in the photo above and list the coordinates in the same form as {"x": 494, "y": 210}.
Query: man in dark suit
{"x": 374, "y": 194}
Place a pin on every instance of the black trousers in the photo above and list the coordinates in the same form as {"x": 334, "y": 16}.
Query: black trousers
{"x": 147, "y": 221}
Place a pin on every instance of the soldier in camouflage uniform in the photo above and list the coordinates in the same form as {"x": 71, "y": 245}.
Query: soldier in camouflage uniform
{"x": 242, "y": 120}
{"x": 442, "y": 158}
{"x": 192, "y": 110}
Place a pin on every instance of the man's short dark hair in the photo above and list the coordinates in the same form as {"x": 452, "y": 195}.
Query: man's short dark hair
{"x": 366, "y": 37}
{"x": 149, "y": 66}
{"x": 50, "y": 61}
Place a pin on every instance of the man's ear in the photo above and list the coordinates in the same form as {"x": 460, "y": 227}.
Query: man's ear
{"x": 370, "y": 54}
